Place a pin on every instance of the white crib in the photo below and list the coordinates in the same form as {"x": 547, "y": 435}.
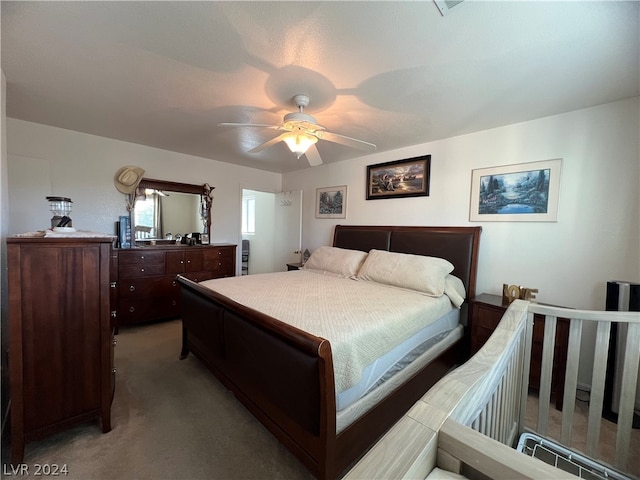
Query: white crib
{"x": 469, "y": 422}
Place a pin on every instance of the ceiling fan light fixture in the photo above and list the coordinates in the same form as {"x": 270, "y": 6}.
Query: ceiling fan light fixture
{"x": 299, "y": 143}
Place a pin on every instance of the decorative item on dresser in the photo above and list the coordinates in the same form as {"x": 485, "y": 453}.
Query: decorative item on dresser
{"x": 486, "y": 312}
{"x": 61, "y": 338}
{"x": 147, "y": 287}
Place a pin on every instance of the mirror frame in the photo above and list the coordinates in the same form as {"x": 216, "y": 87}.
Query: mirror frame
{"x": 203, "y": 190}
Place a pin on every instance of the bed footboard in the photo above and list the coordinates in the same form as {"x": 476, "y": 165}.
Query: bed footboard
{"x": 284, "y": 376}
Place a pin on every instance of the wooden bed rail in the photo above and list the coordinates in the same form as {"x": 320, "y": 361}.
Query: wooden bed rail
{"x": 487, "y": 396}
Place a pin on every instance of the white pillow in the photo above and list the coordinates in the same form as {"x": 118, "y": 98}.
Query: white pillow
{"x": 415, "y": 272}
{"x": 454, "y": 289}
{"x": 335, "y": 261}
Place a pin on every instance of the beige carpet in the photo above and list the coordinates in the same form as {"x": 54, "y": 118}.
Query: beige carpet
{"x": 171, "y": 420}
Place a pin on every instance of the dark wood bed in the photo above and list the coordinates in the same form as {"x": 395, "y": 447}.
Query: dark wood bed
{"x": 285, "y": 376}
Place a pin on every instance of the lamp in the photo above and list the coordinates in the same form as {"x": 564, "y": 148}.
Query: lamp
{"x": 299, "y": 143}
{"x": 61, "y": 208}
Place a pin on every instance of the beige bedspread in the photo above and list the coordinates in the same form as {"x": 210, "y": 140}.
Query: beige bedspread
{"x": 361, "y": 320}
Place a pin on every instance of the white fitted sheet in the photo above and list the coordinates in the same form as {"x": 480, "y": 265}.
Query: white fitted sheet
{"x": 396, "y": 359}
{"x": 357, "y": 409}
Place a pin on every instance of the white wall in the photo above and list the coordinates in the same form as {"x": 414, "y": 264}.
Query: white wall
{"x": 45, "y": 161}
{"x": 596, "y": 237}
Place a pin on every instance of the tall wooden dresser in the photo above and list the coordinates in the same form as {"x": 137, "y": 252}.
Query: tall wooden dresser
{"x": 61, "y": 337}
{"x": 147, "y": 288}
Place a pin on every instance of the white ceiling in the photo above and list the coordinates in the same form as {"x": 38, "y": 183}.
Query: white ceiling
{"x": 164, "y": 74}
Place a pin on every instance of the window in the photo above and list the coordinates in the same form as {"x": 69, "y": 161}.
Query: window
{"x": 148, "y": 214}
{"x": 249, "y": 215}
{"x": 144, "y": 217}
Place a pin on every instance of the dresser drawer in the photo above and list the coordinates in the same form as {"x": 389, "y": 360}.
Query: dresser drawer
{"x": 226, "y": 268}
{"x": 134, "y": 311}
{"x": 185, "y": 261}
{"x": 489, "y": 318}
{"x": 129, "y": 257}
{"x": 221, "y": 267}
{"x": 148, "y": 287}
{"x": 140, "y": 270}
{"x": 216, "y": 258}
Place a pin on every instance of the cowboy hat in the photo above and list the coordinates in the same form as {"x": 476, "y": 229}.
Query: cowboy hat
{"x": 127, "y": 179}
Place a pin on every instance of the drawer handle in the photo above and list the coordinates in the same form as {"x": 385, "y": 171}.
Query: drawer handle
{"x": 115, "y": 342}
{"x": 181, "y": 262}
{"x": 132, "y": 309}
{"x": 114, "y": 370}
{"x": 174, "y": 283}
{"x": 142, "y": 269}
{"x": 114, "y": 314}
{"x": 113, "y": 285}
{"x": 188, "y": 261}
{"x": 141, "y": 257}
{"x": 131, "y": 288}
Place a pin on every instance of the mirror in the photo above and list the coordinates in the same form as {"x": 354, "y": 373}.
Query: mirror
{"x": 164, "y": 210}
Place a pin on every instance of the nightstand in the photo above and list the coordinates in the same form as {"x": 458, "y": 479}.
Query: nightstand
{"x": 486, "y": 312}
{"x": 294, "y": 266}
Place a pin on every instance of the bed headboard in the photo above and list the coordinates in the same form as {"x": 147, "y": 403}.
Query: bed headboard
{"x": 459, "y": 245}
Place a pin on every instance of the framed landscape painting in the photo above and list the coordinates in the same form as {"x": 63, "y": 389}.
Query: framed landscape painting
{"x": 524, "y": 192}
{"x": 401, "y": 178}
{"x": 331, "y": 202}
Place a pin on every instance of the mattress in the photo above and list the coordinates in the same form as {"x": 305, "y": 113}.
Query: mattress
{"x": 384, "y": 367}
{"x": 363, "y": 321}
{"x": 375, "y": 395}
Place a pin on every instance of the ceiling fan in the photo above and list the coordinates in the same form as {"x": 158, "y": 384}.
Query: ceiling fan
{"x": 301, "y": 132}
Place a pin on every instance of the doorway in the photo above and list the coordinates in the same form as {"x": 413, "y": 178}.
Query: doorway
{"x": 271, "y": 230}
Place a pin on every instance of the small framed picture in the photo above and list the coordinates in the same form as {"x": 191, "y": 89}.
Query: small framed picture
{"x": 331, "y": 202}
{"x": 204, "y": 239}
{"x": 401, "y": 178}
{"x": 522, "y": 192}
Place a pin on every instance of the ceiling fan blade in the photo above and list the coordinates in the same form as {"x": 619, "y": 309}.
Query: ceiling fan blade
{"x": 276, "y": 127}
{"x": 344, "y": 140}
{"x": 313, "y": 156}
{"x": 268, "y": 143}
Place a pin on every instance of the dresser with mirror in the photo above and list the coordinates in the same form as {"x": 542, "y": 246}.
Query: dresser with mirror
{"x": 170, "y": 223}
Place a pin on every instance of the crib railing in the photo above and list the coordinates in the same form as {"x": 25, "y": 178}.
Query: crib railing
{"x": 487, "y": 397}
{"x": 602, "y": 324}
{"x": 483, "y": 394}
